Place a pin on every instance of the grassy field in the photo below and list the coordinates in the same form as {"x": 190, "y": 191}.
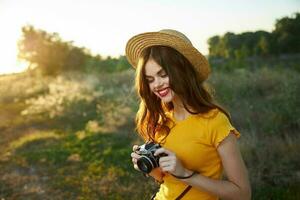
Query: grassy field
{"x": 70, "y": 137}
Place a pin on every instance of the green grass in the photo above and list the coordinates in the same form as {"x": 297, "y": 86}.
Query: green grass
{"x": 78, "y": 146}
{"x": 286, "y": 192}
{"x": 98, "y": 166}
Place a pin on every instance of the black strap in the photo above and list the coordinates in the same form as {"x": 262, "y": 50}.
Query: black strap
{"x": 184, "y": 177}
{"x": 184, "y": 192}
{"x": 188, "y": 187}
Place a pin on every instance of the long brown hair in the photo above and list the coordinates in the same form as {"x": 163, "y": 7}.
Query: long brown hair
{"x": 184, "y": 81}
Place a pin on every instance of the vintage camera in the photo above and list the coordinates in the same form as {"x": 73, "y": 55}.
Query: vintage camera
{"x": 148, "y": 161}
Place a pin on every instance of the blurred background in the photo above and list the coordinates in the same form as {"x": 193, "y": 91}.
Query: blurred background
{"x": 67, "y": 102}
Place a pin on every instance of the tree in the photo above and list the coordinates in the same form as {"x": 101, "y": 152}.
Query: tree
{"x": 123, "y": 64}
{"x": 284, "y": 39}
{"x": 49, "y": 53}
{"x": 214, "y": 49}
{"x": 263, "y": 46}
{"x": 287, "y": 34}
{"x": 52, "y": 56}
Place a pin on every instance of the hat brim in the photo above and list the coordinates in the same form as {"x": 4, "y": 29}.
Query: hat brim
{"x": 138, "y": 43}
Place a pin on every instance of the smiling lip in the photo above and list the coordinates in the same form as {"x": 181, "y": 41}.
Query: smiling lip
{"x": 164, "y": 92}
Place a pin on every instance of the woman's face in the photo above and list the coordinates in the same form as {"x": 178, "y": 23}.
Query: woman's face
{"x": 158, "y": 81}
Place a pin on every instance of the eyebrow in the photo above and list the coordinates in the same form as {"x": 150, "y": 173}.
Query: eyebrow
{"x": 159, "y": 72}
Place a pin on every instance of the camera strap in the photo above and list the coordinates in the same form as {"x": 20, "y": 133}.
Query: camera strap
{"x": 184, "y": 192}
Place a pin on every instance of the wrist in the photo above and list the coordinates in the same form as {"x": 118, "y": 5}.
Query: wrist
{"x": 187, "y": 174}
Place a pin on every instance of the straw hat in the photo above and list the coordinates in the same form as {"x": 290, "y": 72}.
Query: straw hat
{"x": 170, "y": 38}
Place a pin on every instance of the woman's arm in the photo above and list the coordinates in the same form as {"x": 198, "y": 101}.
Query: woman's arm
{"x": 236, "y": 187}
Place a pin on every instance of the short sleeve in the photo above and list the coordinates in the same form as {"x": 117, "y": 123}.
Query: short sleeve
{"x": 220, "y": 127}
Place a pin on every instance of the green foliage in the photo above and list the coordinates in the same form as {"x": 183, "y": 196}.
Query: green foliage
{"x": 77, "y": 99}
{"x": 238, "y": 46}
{"x": 263, "y": 104}
{"x": 267, "y": 97}
{"x": 122, "y": 64}
{"x": 254, "y": 63}
{"x": 47, "y": 151}
{"x": 48, "y": 53}
{"x": 286, "y": 34}
{"x": 97, "y": 166}
{"x": 277, "y": 193}
{"x": 283, "y": 40}
{"x": 5, "y": 190}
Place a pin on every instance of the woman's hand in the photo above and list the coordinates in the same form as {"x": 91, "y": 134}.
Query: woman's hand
{"x": 171, "y": 163}
{"x": 156, "y": 173}
{"x": 135, "y": 157}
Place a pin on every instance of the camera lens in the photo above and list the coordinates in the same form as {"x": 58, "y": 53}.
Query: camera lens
{"x": 144, "y": 164}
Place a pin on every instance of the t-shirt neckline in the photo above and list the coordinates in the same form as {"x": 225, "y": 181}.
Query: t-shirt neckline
{"x": 180, "y": 121}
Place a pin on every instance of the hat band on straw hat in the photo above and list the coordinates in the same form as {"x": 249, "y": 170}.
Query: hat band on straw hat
{"x": 171, "y": 38}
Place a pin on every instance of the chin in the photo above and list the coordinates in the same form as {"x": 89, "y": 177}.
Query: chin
{"x": 167, "y": 99}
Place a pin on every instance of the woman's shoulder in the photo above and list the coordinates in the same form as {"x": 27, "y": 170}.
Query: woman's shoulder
{"x": 211, "y": 114}
{"x": 219, "y": 127}
{"x": 214, "y": 118}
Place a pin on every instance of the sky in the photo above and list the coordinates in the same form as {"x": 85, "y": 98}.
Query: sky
{"x": 104, "y": 26}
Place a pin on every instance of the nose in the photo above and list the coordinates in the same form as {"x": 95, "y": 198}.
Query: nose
{"x": 157, "y": 83}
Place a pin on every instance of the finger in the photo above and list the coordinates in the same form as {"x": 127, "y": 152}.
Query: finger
{"x": 162, "y": 150}
{"x": 135, "y": 155}
{"x": 166, "y": 160}
{"x": 168, "y": 168}
{"x": 134, "y": 160}
{"x": 136, "y": 167}
{"x": 135, "y": 147}
{"x": 164, "y": 164}
{"x": 167, "y": 163}
{"x": 159, "y": 151}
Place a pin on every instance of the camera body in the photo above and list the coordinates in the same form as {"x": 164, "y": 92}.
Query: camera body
{"x": 148, "y": 161}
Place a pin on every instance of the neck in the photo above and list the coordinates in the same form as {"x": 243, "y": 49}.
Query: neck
{"x": 180, "y": 113}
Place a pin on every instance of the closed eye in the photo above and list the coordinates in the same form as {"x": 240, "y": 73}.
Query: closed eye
{"x": 160, "y": 73}
{"x": 149, "y": 79}
{"x": 164, "y": 75}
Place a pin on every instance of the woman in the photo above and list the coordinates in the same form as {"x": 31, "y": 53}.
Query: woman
{"x": 178, "y": 112}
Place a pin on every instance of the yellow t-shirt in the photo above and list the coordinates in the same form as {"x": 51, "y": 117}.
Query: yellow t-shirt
{"x": 195, "y": 141}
